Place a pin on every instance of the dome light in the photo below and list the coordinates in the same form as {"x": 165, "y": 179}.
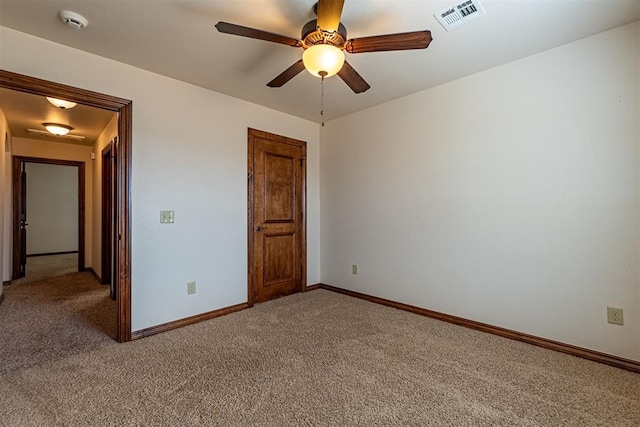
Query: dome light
{"x": 61, "y": 103}
{"x": 323, "y": 60}
{"x": 57, "y": 129}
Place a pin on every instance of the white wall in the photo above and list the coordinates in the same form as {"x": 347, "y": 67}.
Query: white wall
{"x": 52, "y": 208}
{"x": 106, "y": 136}
{"x": 509, "y": 197}
{"x": 5, "y": 193}
{"x": 64, "y": 151}
{"x": 190, "y": 156}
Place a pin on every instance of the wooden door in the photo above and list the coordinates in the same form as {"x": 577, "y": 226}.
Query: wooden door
{"x": 107, "y": 218}
{"x": 115, "y": 228}
{"x": 277, "y": 241}
{"x": 22, "y": 195}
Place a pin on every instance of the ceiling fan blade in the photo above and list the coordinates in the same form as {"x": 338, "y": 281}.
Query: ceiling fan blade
{"x": 400, "y": 41}
{"x": 353, "y": 79}
{"x": 287, "y": 75}
{"x": 329, "y": 12}
{"x": 239, "y": 30}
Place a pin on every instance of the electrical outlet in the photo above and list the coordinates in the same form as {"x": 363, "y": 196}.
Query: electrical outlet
{"x": 614, "y": 315}
{"x": 354, "y": 269}
{"x": 191, "y": 288}
{"x": 166, "y": 217}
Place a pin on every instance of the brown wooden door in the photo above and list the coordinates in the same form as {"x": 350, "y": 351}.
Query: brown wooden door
{"x": 115, "y": 233}
{"x": 107, "y": 219}
{"x": 23, "y": 220}
{"x": 277, "y": 242}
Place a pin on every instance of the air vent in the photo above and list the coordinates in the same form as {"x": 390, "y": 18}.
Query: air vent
{"x": 45, "y": 134}
{"x": 460, "y": 13}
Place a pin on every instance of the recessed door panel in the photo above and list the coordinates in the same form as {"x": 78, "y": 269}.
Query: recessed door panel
{"x": 279, "y": 257}
{"x": 279, "y": 173}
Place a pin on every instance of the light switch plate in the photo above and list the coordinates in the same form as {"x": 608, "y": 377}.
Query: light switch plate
{"x": 191, "y": 288}
{"x": 166, "y": 217}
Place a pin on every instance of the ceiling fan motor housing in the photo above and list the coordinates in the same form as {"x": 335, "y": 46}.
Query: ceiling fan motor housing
{"x": 312, "y": 35}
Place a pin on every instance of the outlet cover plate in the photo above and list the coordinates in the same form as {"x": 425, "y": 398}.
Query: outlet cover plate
{"x": 166, "y": 217}
{"x": 614, "y": 315}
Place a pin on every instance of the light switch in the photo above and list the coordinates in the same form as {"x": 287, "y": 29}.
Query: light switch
{"x": 166, "y": 217}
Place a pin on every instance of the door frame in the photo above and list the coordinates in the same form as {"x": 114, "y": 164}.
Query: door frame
{"x": 18, "y": 162}
{"x": 251, "y": 140}
{"x": 124, "y": 108}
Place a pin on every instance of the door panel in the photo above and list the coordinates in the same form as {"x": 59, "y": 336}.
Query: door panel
{"x": 279, "y": 256}
{"x": 23, "y": 221}
{"x": 114, "y": 209}
{"x": 277, "y": 252}
{"x": 279, "y": 176}
{"x": 107, "y": 218}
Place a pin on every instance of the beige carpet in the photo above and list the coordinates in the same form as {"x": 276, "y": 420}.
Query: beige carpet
{"x": 52, "y": 318}
{"x": 321, "y": 358}
{"x": 46, "y": 266}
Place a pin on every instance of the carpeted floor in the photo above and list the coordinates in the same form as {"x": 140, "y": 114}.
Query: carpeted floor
{"x": 44, "y": 318}
{"x": 46, "y": 266}
{"x": 320, "y": 358}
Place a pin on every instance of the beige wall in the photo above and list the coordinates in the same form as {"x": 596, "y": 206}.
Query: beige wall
{"x": 107, "y": 135}
{"x": 52, "y": 208}
{"x": 63, "y": 151}
{"x": 189, "y": 155}
{"x": 5, "y": 200}
{"x": 509, "y": 197}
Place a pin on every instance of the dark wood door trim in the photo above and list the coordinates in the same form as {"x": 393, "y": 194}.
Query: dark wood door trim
{"x": 254, "y": 134}
{"x": 124, "y": 108}
{"x": 18, "y": 161}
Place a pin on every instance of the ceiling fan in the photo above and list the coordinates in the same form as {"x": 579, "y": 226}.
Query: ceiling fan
{"x": 324, "y": 41}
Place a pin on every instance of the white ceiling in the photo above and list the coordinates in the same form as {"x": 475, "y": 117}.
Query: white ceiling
{"x": 26, "y": 111}
{"x": 177, "y": 38}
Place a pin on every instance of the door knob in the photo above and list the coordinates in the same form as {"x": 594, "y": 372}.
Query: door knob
{"x": 259, "y": 228}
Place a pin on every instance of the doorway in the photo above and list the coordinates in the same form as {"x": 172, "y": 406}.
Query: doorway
{"x": 122, "y": 173}
{"x": 277, "y": 216}
{"x": 20, "y": 217}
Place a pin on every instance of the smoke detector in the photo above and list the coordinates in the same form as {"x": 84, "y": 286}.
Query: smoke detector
{"x": 460, "y": 13}
{"x": 73, "y": 20}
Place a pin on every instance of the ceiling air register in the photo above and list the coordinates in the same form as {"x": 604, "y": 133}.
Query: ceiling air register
{"x": 460, "y": 13}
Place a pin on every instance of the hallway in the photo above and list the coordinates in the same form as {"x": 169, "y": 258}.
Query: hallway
{"x": 53, "y": 312}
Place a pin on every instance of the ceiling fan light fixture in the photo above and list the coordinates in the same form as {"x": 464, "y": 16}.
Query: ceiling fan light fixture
{"x": 61, "y": 103}
{"x": 323, "y": 60}
{"x": 57, "y": 129}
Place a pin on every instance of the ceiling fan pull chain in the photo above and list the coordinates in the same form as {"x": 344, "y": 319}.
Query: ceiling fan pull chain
{"x": 322, "y": 99}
